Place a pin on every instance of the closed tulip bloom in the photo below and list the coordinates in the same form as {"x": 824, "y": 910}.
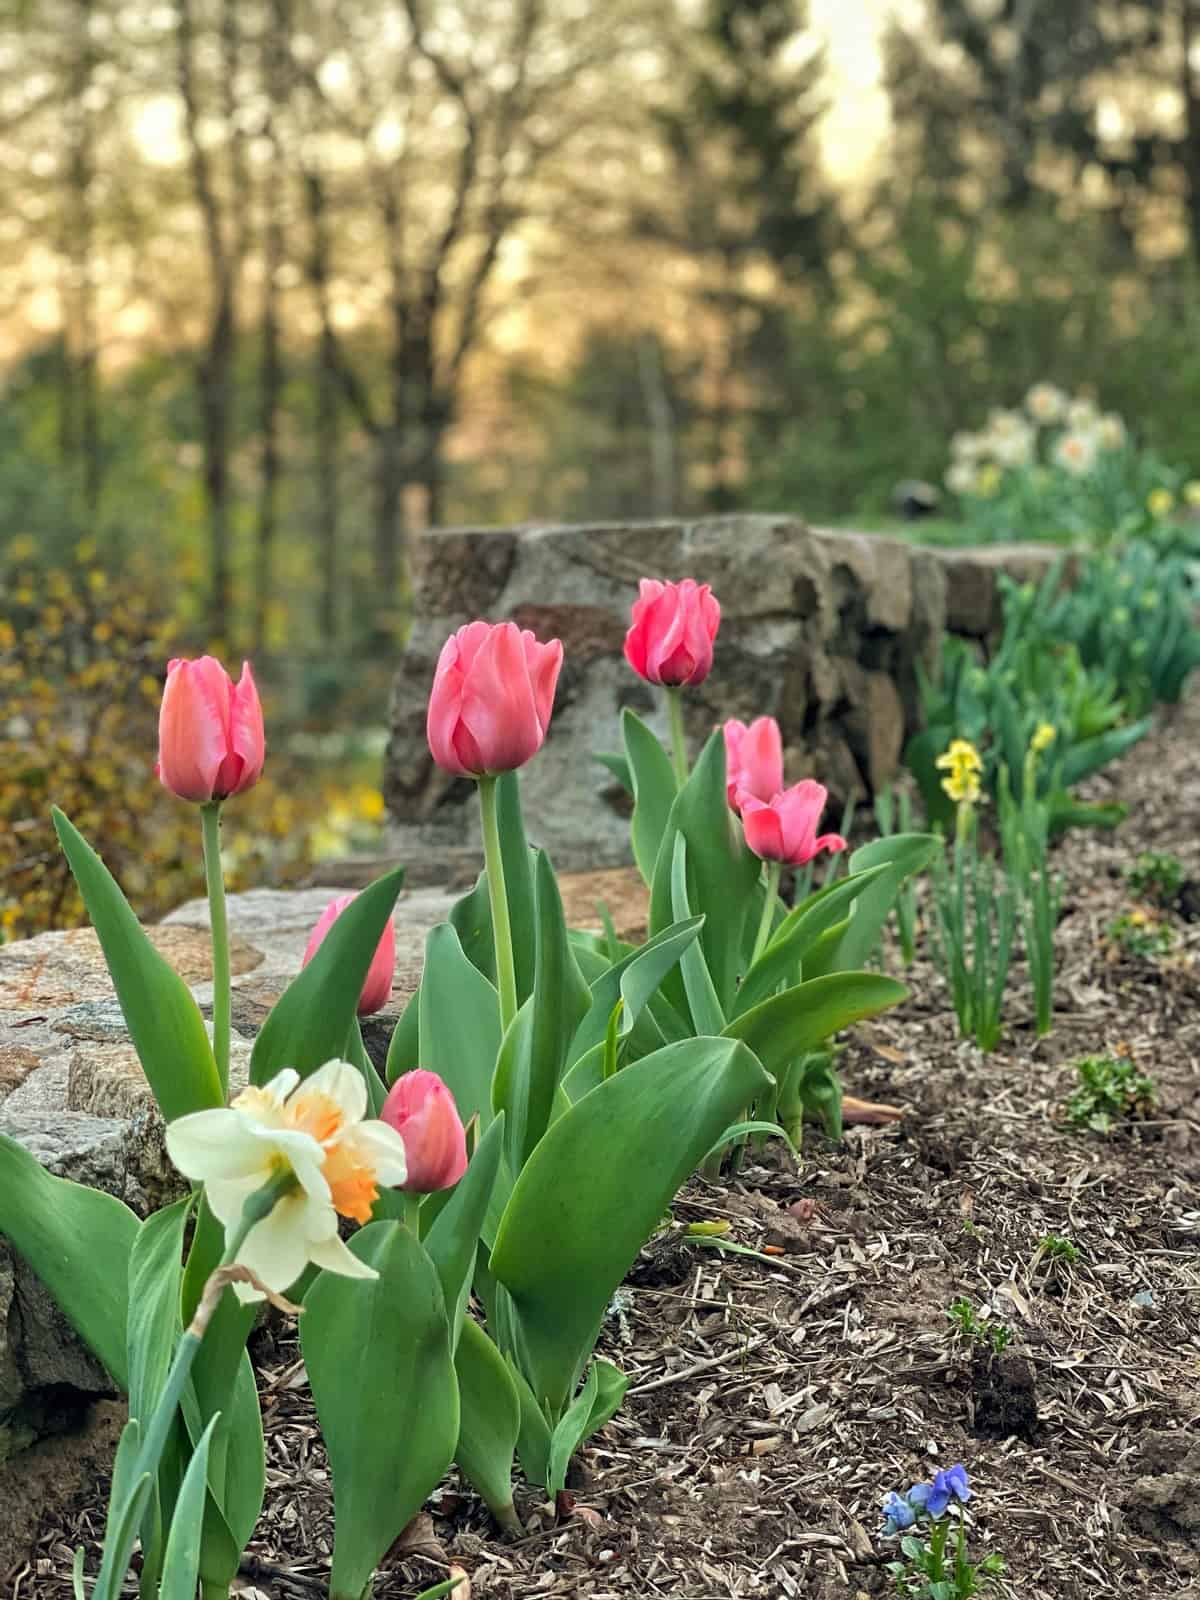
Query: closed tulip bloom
{"x": 210, "y": 731}
{"x": 377, "y": 988}
{"x": 670, "y": 641}
{"x": 493, "y": 692}
{"x": 785, "y": 829}
{"x": 422, "y": 1111}
{"x": 753, "y": 760}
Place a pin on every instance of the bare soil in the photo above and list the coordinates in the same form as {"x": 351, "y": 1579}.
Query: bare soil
{"x": 778, "y": 1395}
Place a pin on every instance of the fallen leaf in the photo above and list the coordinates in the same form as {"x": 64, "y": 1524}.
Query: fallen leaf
{"x": 869, "y": 1112}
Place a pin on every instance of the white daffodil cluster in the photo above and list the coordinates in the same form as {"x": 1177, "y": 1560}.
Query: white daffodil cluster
{"x": 1075, "y": 429}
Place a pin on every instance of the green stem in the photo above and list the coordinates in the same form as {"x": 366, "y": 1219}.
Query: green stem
{"x": 679, "y": 756}
{"x": 937, "y": 1549}
{"x": 210, "y": 816}
{"x": 774, "y": 868}
{"x": 412, "y": 1212}
{"x": 501, "y": 926}
{"x": 149, "y": 1457}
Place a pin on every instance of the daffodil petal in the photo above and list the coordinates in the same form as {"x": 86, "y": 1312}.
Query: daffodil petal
{"x": 344, "y": 1085}
{"x": 377, "y": 1145}
{"x": 275, "y": 1249}
{"x": 218, "y": 1144}
{"x": 333, "y": 1255}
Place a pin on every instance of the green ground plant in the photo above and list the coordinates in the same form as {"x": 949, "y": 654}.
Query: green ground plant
{"x": 1111, "y": 1090}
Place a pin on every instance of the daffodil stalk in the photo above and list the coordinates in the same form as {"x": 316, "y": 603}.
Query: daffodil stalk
{"x": 258, "y": 1206}
{"x": 975, "y": 922}
{"x": 1024, "y": 831}
{"x": 210, "y": 816}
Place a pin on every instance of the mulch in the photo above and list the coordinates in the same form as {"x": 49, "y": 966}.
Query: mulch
{"x": 778, "y": 1395}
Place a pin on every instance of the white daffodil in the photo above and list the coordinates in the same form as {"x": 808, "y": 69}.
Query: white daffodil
{"x": 1082, "y": 413}
{"x": 1076, "y": 452}
{"x": 1046, "y": 403}
{"x": 965, "y": 446}
{"x": 1015, "y": 447}
{"x": 312, "y": 1129}
{"x": 960, "y": 477}
{"x": 1001, "y": 423}
{"x": 1110, "y": 431}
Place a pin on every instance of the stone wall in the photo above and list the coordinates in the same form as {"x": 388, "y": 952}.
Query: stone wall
{"x": 821, "y": 629}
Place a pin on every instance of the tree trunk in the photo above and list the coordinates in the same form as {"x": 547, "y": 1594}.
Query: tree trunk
{"x": 271, "y": 368}
{"x": 327, "y": 484}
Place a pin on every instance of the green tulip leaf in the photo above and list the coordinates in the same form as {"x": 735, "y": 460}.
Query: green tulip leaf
{"x": 310, "y": 1022}
{"x": 595, "y": 1189}
{"x": 532, "y": 1057}
{"x": 796, "y": 934}
{"x": 154, "y": 1326}
{"x": 471, "y": 917}
{"x": 452, "y": 1239}
{"x": 382, "y": 1376}
{"x": 160, "y": 1010}
{"x": 902, "y": 855}
{"x": 634, "y": 979}
{"x": 722, "y": 874}
{"x": 459, "y": 1025}
{"x": 801, "y": 1019}
{"x": 702, "y": 996}
{"x": 652, "y": 779}
{"x": 597, "y": 1401}
{"x": 79, "y": 1242}
{"x": 490, "y": 1422}
{"x": 181, "y": 1565}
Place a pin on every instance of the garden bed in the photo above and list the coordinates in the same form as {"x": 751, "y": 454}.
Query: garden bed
{"x": 777, "y": 1396}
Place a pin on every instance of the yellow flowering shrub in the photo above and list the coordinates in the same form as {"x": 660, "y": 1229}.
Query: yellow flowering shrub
{"x": 82, "y": 661}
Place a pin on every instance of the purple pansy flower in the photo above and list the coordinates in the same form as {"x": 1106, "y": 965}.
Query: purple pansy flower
{"x": 949, "y": 1484}
{"x": 898, "y": 1514}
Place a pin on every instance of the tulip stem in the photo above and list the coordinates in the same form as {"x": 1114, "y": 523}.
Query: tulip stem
{"x": 774, "y": 868}
{"x": 493, "y": 855}
{"x": 210, "y": 816}
{"x": 679, "y": 756}
{"x": 412, "y": 1213}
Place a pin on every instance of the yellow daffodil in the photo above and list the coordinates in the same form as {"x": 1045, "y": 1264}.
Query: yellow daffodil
{"x": 313, "y": 1130}
{"x": 988, "y": 480}
{"x": 1191, "y": 493}
{"x": 962, "y": 764}
{"x": 1043, "y": 737}
{"x": 1160, "y": 502}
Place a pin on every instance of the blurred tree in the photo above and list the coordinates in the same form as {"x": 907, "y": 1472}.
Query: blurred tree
{"x": 1012, "y": 102}
{"x": 749, "y": 203}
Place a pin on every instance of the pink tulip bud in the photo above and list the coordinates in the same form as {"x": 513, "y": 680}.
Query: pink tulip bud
{"x": 753, "y": 760}
{"x": 493, "y": 692}
{"x": 210, "y": 731}
{"x": 421, "y": 1109}
{"x": 785, "y": 829}
{"x": 377, "y": 989}
{"x": 673, "y": 627}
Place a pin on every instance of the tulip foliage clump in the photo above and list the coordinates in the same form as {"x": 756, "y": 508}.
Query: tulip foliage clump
{"x": 450, "y": 1231}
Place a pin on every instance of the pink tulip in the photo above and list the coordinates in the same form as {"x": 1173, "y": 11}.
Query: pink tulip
{"x": 421, "y": 1109}
{"x": 210, "y": 731}
{"x": 753, "y": 760}
{"x": 671, "y": 638}
{"x": 377, "y": 989}
{"x": 785, "y": 829}
{"x": 493, "y": 692}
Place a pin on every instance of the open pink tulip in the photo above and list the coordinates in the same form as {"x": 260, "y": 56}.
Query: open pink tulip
{"x": 493, "y": 692}
{"x": 785, "y": 828}
{"x": 210, "y": 731}
{"x": 421, "y": 1109}
{"x": 377, "y": 989}
{"x": 753, "y": 760}
{"x": 670, "y": 640}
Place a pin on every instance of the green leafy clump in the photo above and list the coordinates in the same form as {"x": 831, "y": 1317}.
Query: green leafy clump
{"x": 1156, "y": 875}
{"x": 1111, "y": 1090}
{"x": 975, "y": 1329}
{"x": 1136, "y": 933}
{"x": 1057, "y": 1247}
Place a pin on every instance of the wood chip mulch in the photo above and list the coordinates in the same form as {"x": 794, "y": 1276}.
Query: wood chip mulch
{"x": 777, "y": 1395}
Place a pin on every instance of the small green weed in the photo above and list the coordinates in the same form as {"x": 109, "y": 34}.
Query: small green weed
{"x": 1057, "y": 1247}
{"x": 969, "y": 1325}
{"x": 1156, "y": 876}
{"x": 1111, "y": 1089}
{"x": 1137, "y": 933}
